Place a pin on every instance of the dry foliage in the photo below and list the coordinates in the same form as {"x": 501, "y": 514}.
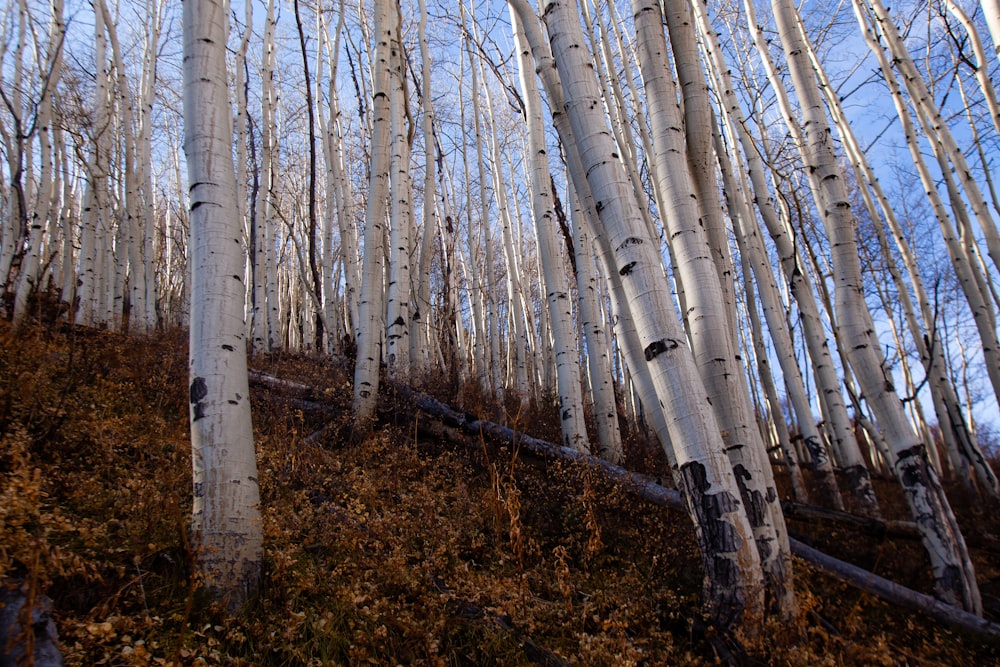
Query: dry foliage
{"x": 390, "y": 548}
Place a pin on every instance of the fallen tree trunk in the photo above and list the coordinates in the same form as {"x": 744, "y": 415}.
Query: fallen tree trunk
{"x": 650, "y": 489}
{"x": 875, "y": 527}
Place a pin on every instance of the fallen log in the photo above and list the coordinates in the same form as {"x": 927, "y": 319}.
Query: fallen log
{"x": 875, "y": 527}
{"x": 650, "y": 489}
{"x": 258, "y": 377}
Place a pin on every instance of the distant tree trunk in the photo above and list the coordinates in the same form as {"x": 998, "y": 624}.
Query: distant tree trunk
{"x": 857, "y": 476}
{"x": 595, "y": 332}
{"x": 752, "y": 248}
{"x": 422, "y": 342}
{"x": 226, "y": 516}
{"x": 47, "y": 194}
{"x": 756, "y": 269}
{"x": 935, "y": 127}
{"x": 95, "y": 214}
{"x": 956, "y": 433}
{"x": 338, "y": 186}
{"x": 267, "y": 330}
{"x": 312, "y": 229}
{"x": 518, "y": 346}
{"x": 966, "y": 270}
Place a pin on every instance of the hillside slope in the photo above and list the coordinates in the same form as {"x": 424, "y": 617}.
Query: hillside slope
{"x": 398, "y": 547}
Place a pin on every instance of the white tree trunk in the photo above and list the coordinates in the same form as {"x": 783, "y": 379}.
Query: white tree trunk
{"x": 702, "y": 266}
{"x": 372, "y": 305}
{"x": 734, "y": 577}
{"x": 954, "y": 574}
{"x": 422, "y": 341}
{"x": 595, "y": 331}
{"x": 226, "y": 517}
{"x": 552, "y": 256}
{"x": 858, "y": 478}
{"x": 398, "y": 317}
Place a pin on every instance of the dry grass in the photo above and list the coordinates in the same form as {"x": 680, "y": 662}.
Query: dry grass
{"x": 391, "y": 548}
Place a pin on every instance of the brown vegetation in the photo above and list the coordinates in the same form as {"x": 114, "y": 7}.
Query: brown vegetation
{"x": 393, "y": 548}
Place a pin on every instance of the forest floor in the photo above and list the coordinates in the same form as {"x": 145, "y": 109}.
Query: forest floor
{"x": 395, "y": 548}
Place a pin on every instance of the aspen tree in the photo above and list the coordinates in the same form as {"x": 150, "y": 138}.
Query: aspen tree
{"x": 16, "y": 223}
{"x": 491, "y": 328}
{"x": 708, "y": 314}
{"x": 599, "y": 371}
{"x": 266, "y": 310}
{"x": 338, "y": 183}
{"x": 67, "y": 219}
{"x": 753, "y": 251}
{"x": 758, "y": 277}
{"x": 95, "y": 213}
{"x": 226, "y": 517}
{"x": 155, "y": 9}
{"x": 398, "y": 319}
{"x": 557, "y": 297}
{"x": 328, "y": 260}
{"x": 517, "y": 310}
{"x": 47, "y": 190}
{"x": 929, "y": 115}
{"x": 956, "y": 433}
{"x": 131, "y": 228}
{"x": 732, "y": 564}
{"x": 479, "y": 349}
{"x": 858, "y": 477}
{"x": 981, "y": 67}
{"x": 246, "y": 138}
{"x": 372, "y": 303}
{"x": 421, "y": 340}
{"x": 959, "y": 242}
{"x": 312, "y": 227}
{"x": 954, "y": 576}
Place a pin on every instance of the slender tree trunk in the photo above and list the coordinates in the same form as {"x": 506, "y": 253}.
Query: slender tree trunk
{"x": 422, "y": 341}
{"x": 372, "y": 305}
{"x": 553, "y": 259}
{"x": 857, "y": 476}
{"x": 398, "y": 318}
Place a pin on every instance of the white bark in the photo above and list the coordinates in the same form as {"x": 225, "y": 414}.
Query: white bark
{"x": 991, "y": 11}
{"x": 398, "y": 318}
{"x": 595, "y": 332}
{"x": 752, "y": 246}
{"x": 553, "y": 258}
{"x": 422, "y": 342}
{"x": 954, "y": 574}
{"x": 713, "y": 497}
{"x": 95, "y": 218}
{"x": 225, "y": 515}
{"x": 702, "y": 266}
{"x": 843, "y": 441}
{"x": 372, "y": 304}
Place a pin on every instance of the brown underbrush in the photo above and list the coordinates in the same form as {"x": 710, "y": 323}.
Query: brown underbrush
{"x": 388, "y": 547}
